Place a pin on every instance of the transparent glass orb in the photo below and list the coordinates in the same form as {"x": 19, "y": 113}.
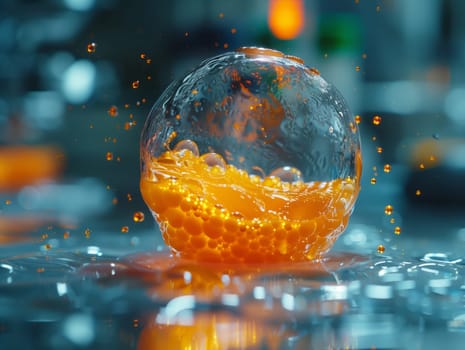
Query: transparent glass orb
{"x": 252, "y": 156}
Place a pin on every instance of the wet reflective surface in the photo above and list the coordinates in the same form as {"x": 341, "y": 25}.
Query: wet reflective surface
{"x": 94, "y": 297}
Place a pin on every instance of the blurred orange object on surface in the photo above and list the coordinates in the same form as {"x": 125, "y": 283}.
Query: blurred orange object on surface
{"x": 27, "y": 165}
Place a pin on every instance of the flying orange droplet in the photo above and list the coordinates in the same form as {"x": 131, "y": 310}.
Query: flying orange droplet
{"x": 380, "y": 249}
{"x": 286, "y": 18}
{"x": 138, "y": 216}
{"x": 376, "y": 120}
{"x": 113, "y": 111}
{"x": 388, "y": 209}
{"x": 91, "y": 47}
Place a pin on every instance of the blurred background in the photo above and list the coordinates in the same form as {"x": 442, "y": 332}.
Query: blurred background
{"x": 78, "y": 78}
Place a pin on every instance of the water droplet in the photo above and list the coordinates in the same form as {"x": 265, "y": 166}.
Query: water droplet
{"x": 87, "y": 232}
{"x": 388, "y": 209}
{"x": 380, "y": 249}
{"x": 418, "y": 192}
{"x": 357, "y": 68}
{"x": 187, "y": 145}
{"x": 138, "y": 216}
{"x": 379, "y": 149}
{"x": 387, "y": 168}
{"x": 124, "y": 229}
{"x": 421, "y": 166}
{"x": 109, "y": 156}
{"x": 143, "y": 56}
{"x": 7, "y": 201}
{"x": 129, "y": 196}
{"x": 397, "y": 230}
{"x": 358, "y": 119}
{"x": 364, "y": 56}
{"x": 113, "y": 111}
{"x": 376, "y": 120}
{"x": 287, "y": 174}
{"x": 214, "y": 159}
{"x": 373, "y": 181}
{"x": 233, "y": 30}
{"x": 91, "y": 47}
{"x": 66, "y": 235}
{"x": 135, "y": 84}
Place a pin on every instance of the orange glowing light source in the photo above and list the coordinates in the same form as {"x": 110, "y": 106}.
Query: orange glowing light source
{"x": 286, "y": 18}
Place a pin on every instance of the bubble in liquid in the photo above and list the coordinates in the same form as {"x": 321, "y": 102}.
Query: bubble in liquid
{"x": 138, "y": 216}
{"x": 376, "y": 120}
{"x": 214, "y": 160}
{"x": 187, "y": 145}
{"x": 388, "y": 209}
{"x": 287, "y": 174}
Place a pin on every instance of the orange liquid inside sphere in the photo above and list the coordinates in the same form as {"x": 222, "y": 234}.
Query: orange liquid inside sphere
{"x": 211, "y": 211}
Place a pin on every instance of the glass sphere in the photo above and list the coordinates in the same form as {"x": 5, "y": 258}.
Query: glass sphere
{"x": 251, "y": 157}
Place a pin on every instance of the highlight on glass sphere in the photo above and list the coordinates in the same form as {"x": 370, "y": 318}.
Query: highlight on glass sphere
{"x": 251, "y": 158}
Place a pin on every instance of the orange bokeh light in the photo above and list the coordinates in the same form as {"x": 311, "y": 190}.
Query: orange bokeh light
{"x": 286, "y": 18}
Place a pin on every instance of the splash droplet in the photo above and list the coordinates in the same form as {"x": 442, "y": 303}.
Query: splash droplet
{"x": 379, "y": 149}
{"x": 7, "y": 201}
{"x": 113, "y": 111}
{"x": 376, "y": 120}
{"x": 66, "y": 235}
{"x": 124, "y": 229}
{"x": 135, "y": 84}
{"x": 418, "y": 192}
{"x": 387, "y": 168}
{"x": 373, "y": 181}
{"x": 109, "y": 156}
{"x": 91, "y": 47}
{"x": 357, "y": 68}
{"x": 380, "y": 249}
{"x": 87, "y": 232}
{"x": 388, "y": 209}
{"x": 287, "y": 174}
{"x": 397, "y": 230}
{"x": 138, "y": 216}
{"x": 358, "y": 119}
